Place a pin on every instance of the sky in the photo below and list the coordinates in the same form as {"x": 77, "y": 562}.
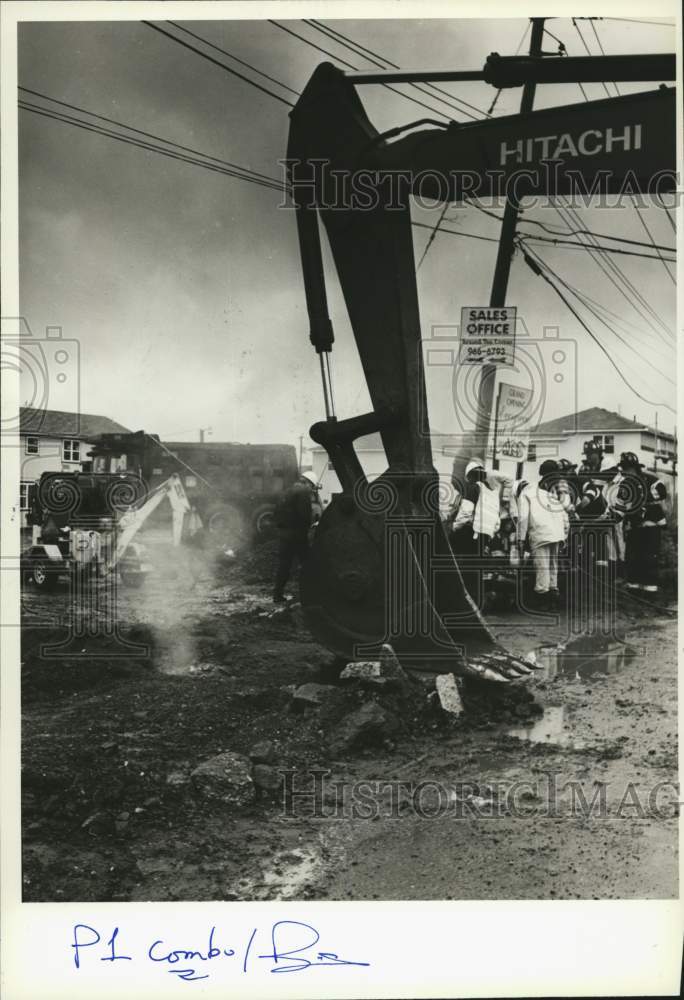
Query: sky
{"x": 182, "y": 286}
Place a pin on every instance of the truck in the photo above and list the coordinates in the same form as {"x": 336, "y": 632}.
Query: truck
{"x": 85, "y": 524}
{"x": 233, "y": 487}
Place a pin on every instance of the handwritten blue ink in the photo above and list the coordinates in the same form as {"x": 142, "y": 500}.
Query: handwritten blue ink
{"x": 298, "y": 964}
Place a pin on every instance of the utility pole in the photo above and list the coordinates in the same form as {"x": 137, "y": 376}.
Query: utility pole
{"x": 503, "y": 258}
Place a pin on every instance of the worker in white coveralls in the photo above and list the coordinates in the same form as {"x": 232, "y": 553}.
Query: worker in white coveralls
{"x": 543, "y": 523}
{"x": 475, "y": 521}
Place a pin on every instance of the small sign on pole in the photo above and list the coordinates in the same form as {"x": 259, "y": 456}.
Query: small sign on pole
{"x": 487, "y": 335}
{"x": 511, "y": 423}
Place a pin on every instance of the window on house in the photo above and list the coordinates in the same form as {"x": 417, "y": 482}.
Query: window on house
{"x": 71, "y": 450}
{"x": 24, "y": 495}
{"x": 608, "y": 444}
{"x": 531, "y": 452}
{"x": 31, "y": 445}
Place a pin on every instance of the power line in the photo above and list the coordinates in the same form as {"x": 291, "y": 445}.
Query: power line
{"x": 261, "y": 180}
{"x": 588, "y": 51}
{"x": 230, "y": 55}
{"x": 610, "y": 268}
{"x": 387, "y": 86}
{"x": 372, "y": 56}
{"x": 635, "y": 20}
{"x": 606, "y": 265}
{"x": 627, "y": 281}
{"x": 620, "y": 320}
{"x": 228, "y": 69}
{"x": 534, "y": 266}
{"x": 571, "y": 232}
{"x": 653, "y": 243}
{"x": 602, "y": 249}
{"x": 500, "y": 90}
{"x": 565, "y": 284}
{"x": 602, "y": 50}
{"x": 456, "y": 232}
{"x": 432, "y": 235}
{"x": 99, "y": 130}
{"x": 423, "y": 90}
{"x": 138, "y": 131}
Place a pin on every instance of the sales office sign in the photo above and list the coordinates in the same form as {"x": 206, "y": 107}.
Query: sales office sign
{"x": 487, "y": 335}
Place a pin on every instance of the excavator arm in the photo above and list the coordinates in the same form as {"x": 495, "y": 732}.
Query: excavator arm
{"x": 381, "y": 569}
{"x": 132, "y": 521}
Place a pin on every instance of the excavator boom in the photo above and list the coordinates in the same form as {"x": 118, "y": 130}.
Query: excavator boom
{"x": 381, "y": 569}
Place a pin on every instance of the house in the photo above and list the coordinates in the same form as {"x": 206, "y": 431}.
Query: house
{"x": 564, "y": 437}
{"x": 371, "y": 455}
{"x": 56, "y": 441}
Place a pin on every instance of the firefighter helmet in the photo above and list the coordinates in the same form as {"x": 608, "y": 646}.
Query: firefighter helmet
{"x": 629, "y": 460}
{"x": 548, "y": 467}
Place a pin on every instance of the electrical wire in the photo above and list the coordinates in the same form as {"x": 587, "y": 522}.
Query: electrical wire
{"x": 138, "y": 131}
{"x": 228, "y": 69}
{"x": 627, "y": 282}
{"x": 653, "y": 244}
{"x": 571, "y": 232}
{"x": 432, "y": 235}
{"x": 372, "y": 56}
{"x": 642, "y": 359}
{"x": 621, "y": 321}
{"x": 607, "y": 266}
{"x": 500, "y": 90}
{"x": 611, "y": 263}
{"x": 421, "y": 89}
{"x": 588, "y": 51}
{"x": 635, "y": 20}
{"x": 274, "y": 185}
{"x": 456, "y": 232}
{"x": 230, "y": 55}
{"x": 602, "y": 50}
{"x": 387, "y": 86}
{"x": 534, "y": 266}
{"x": 261, "y": 180}
{"x": 602, "y": 249}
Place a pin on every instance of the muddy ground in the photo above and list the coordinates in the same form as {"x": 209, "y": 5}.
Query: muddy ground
{"x": 563, "y": 788}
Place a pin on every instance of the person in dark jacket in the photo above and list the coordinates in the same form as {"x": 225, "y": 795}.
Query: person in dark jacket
{"x": 642, "y": 496}
{"x": 293, "y": 519}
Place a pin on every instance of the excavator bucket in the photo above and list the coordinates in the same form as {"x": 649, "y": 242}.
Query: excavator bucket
{"x": 380, "y": 569}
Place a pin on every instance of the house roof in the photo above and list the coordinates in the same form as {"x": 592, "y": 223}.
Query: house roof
{"x": 595, "y": 420}
{"x": 60, "y": 423}
{"x": 373, "y": 442}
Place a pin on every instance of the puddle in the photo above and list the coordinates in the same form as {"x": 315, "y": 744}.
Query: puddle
{"x": 551, "y": 728}
{"x": 583, "y": 657}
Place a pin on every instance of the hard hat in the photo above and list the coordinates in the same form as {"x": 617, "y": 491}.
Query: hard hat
{"x": 591, "y": 446}
{"x": 474, "y": 463}
{"x": 548, "y": 467}
{"x": 629, "y": 460}
{"x": 308, "y": 477}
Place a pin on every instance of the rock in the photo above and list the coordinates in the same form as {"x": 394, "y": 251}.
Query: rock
{"x": 390, "y": 666}
{"x": 266, "y": 777}
{"x": 376, "y": 673}
{"x": 262, "y": 752}
{"x": 370, "y": 724}
{"x": 177, "y": 778}
{"x": 448, "y": 694}
{"x": 313, "y": 695}
{"x": 362, "y": 670}
{"x": 225, "y": 778}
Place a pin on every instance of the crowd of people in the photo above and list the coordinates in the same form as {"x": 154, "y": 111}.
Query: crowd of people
{"x": 605, "y": 523}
